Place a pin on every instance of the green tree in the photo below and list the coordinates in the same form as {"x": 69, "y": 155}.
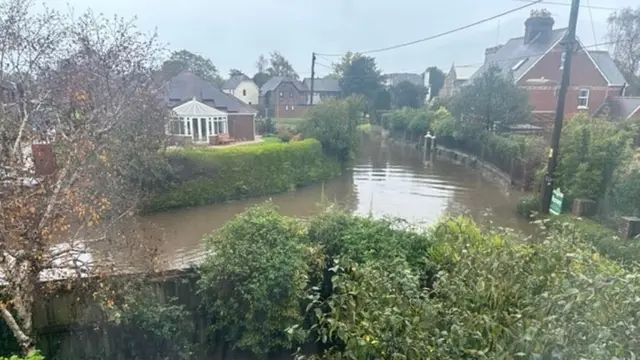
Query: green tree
{"x": 491, "y": 102}
{"x": 382, "y": 100}
{"x": 280, "y": 66}
{"x": 436, "y": 81}
{"x": 185, "y": 60}
{"x": 260, "y": 78}
{"x": 334, "y": 123}
{"x": 590, "y": 153}
{"x": 235, "y": 72}
{"x": 624, "y": 32}
{"x": 345, "y": 61}
{"x": 362, "y": 77}
{"x": 407, "y": 94}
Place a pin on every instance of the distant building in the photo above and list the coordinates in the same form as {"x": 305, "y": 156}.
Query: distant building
{"x": 393, "y": 79}
{"x": 457, "y": 77}
{"x": 242, "y": 87}
{"x": 323, "y": 89}
{"x": 282, "y": 97}
{"x": 535, "y": 62}
{"x": 201, "y": 112}
{"x": 617, "y": 108}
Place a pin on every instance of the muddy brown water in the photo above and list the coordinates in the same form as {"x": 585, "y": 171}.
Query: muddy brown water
{"x": 385, "y": 180}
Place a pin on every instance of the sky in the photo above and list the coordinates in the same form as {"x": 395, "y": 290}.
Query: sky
{"x": 233, "y": 33}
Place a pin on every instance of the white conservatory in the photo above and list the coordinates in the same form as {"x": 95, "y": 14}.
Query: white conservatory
{"x": 198, "y": 121}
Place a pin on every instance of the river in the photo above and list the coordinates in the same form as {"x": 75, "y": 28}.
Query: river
{"x": 385, "y": 180}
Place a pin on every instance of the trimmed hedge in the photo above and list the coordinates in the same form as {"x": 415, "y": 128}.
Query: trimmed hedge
{"x": 208, "y": 176}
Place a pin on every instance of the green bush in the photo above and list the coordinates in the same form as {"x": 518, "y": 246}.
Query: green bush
{"x": 206, "y": 176}
{"x": 253, "y": 279}
{"x": 528, "y": 206}
{"x": 33, "y": 355}
{"x": 604, "y": 240}
{"x": 334, "y": 123}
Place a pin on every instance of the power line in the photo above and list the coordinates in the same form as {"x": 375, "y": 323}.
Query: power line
{"x": 529, "y": 4}
{"x": 593, "y": 26}
{"x": 589, "y": 6}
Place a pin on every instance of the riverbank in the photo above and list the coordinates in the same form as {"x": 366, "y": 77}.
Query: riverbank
{"x": 208, "y": 176}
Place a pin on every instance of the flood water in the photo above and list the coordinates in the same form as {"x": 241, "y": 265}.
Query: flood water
{"x": 385, "y": 180}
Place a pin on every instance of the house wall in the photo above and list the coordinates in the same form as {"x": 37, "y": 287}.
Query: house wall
{"x": 584, "y": 75}
{"x": 242, "y": 126}
{"x": 251, "y": 90}
{"x": 281, "y": 106}
{"x": 449, "y": 86}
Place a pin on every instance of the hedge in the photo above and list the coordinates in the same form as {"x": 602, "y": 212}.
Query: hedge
{"x": 208, "y": 176}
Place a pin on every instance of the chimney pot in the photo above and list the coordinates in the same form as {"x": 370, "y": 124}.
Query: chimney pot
{"x": 538, "y": 27}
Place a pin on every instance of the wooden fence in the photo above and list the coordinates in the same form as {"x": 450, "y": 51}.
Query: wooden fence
{"x": 70, "y": 325}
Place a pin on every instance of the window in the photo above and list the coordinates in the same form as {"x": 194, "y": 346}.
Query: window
{"x": 290, "y": 94}
{"x": 249, "y": 102}
{"x": 583, "y": 99}
{"x": 244, "y": 92}
{"x": 176, "y": 127}
{"x": 286, "y": 107}
{"x": 292, "y": 107}
{"x": 562, "y": 59}
{"x": 281, "y": 94}
{"x": 519, "y": 64}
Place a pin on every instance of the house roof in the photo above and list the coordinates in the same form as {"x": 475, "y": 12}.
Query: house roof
{"x": 196, "y": 108}
{"x": 465, "y": 72}
{"x": 608, "y": 68}
{"x": 275, "y": 81}
{"x": 186, "y": 86}
{"x": 396, "y": 78}
{"x": 622, "y": 107}
{"x": 516, "y": 51}
{"x": 326, "y": 84}
{"x": 234, "y": 81}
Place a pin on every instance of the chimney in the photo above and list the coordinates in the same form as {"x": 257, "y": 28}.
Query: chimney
{"x": 538, "y": 27}
{"x": 490, "y": 51}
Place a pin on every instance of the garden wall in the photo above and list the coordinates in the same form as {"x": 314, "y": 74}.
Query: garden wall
{"x": 208, "y": 175}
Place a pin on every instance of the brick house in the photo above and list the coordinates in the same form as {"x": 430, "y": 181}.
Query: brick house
{"x": 203, "y": 111}
{"x": 282, "y": 97}
{"x": 535, "y": 61}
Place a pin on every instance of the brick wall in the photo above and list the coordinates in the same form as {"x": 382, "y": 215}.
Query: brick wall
{"x": 584, "y": 75}
{"x": 241, "y": 126}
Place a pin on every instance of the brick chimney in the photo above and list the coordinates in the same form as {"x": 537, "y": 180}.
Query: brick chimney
{"x": 538, "y": 27}
{"x": 490, "y": 51}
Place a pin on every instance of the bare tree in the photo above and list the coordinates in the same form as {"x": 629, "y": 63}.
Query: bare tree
{"x": 624, "y": 32}
{"x": 85, "y": 85}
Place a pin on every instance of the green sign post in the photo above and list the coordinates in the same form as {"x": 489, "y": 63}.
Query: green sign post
{"x": 557, "y": 199}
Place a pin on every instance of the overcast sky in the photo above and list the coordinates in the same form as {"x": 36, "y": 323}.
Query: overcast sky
{"x": 233, "y": 33}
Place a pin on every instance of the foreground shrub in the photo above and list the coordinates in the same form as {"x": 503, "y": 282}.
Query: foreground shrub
{"x": 528, "y": 206}
{"x": 253, "y": 278}
{"x": 494, "y": 298}
{"x": 33, "y": 355}
{"x": 206, "y": 176}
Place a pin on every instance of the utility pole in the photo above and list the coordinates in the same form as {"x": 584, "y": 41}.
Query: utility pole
{"x": 569, "y": 43}
{"x": 313, "y": 76}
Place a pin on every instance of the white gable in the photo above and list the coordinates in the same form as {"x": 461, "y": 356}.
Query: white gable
{"x": 196, "y": 109}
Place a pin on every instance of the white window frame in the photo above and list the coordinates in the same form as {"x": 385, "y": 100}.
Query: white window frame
{"x": 293, "y": 107}
{"x": 583, "y": 98}
{"x": 281, "y": 94}
{"x": 286, "y": 108}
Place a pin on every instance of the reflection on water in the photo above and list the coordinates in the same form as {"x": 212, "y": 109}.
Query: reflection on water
{"x": 386, "y": 180}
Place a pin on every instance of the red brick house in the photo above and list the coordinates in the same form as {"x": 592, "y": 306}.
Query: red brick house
{"x": 204, "y": 111}
{"x": 282, "y": 97}
{"x": 535, "y": 61}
